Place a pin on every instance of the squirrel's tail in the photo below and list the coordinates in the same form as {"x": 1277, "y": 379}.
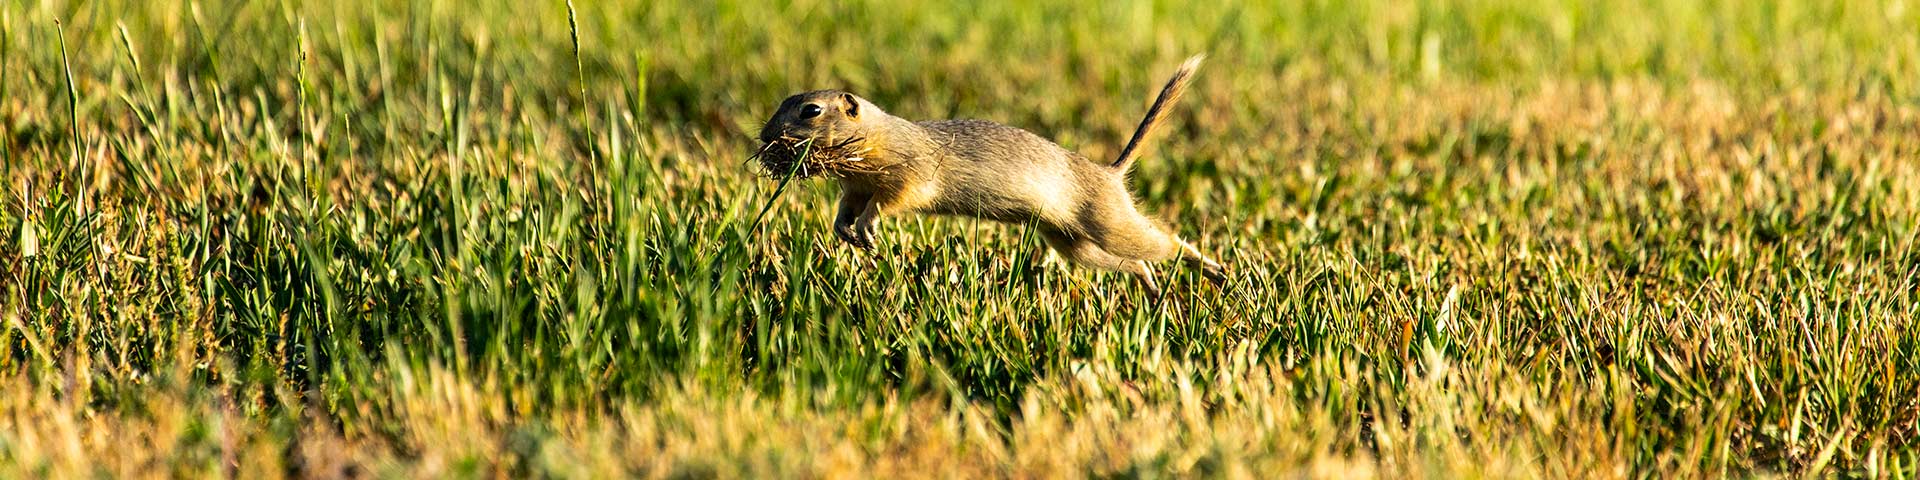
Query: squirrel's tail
{"x": 1169, "y": 94}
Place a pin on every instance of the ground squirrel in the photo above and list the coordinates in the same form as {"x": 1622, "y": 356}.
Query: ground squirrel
{"x": 887, "y": 165}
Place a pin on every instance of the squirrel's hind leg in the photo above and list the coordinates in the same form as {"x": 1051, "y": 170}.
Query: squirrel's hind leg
{"x": 1085, "y": 252}
{"x": 1213, "y": 270}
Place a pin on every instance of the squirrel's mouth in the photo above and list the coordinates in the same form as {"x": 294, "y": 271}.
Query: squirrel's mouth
{"x": 789, "y": 156}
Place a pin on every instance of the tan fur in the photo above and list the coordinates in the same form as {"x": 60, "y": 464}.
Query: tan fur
{"x": 986, "y": 170}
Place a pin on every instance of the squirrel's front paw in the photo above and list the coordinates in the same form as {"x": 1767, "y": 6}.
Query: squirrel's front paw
{"x": 853, "y": 236}
{"x": 864, "y": 240}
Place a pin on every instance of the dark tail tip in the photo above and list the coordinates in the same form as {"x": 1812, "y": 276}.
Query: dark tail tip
{"x": 1168, "y": 95}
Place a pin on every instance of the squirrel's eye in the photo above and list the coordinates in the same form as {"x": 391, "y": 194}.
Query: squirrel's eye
{"x": 810, "y": 111}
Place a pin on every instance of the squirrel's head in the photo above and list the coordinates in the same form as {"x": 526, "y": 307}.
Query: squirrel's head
{"x": 821, "y": 132}
{"x": 823, "y": 116}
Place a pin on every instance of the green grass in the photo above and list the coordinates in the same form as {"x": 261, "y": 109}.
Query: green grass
{"x": 1491, "y": 238}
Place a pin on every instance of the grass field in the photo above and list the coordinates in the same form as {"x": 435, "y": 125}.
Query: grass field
{"x": 1487, "y": 238}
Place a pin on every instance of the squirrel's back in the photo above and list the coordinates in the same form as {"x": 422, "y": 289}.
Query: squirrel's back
{"x": 999, "y": 172}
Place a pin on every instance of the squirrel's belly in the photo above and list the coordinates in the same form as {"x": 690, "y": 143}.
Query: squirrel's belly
{"x": 911, "y": 197}
{"x": 1009, "y": 198}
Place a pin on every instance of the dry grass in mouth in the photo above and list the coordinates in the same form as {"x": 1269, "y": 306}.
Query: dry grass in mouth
{"x": 802, "y": 158}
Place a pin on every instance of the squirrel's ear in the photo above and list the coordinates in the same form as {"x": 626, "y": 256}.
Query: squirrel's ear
{"x": 853, "y": 104}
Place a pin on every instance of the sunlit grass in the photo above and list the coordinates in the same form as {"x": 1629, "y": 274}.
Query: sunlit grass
{"x": 1483, "y": 238}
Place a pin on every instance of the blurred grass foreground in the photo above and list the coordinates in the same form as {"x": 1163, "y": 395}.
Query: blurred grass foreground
{"x": 431, "y": 238}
